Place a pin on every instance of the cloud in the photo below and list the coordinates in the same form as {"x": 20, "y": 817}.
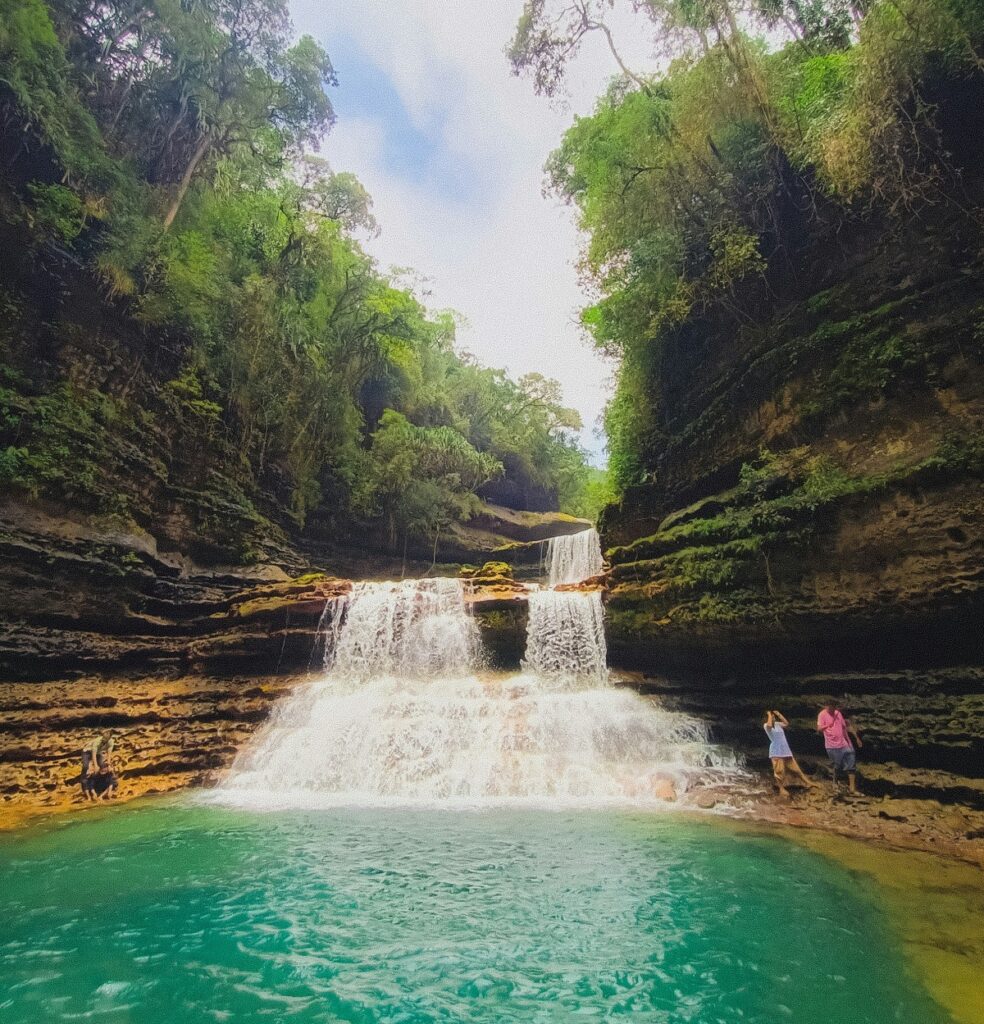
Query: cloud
{"x": 451, "y": 146}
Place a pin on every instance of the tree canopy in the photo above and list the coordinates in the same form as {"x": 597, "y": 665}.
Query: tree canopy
{"x": 694, "y": 181}
{"x": 165, "y": 146}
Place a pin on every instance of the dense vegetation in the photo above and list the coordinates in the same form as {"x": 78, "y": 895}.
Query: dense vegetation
{"x": 707, "y": 188}
{"x": 160, "y": 150}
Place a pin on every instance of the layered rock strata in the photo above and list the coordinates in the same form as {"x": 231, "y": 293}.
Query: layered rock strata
{"x": 922, "y": 730}
{"x": 189, "y": 663}
{"x": 812, "y": 522}
{"x": 76, "y": 600}
{"x": 170, "y": 733}
{"x": 78, "y": 597}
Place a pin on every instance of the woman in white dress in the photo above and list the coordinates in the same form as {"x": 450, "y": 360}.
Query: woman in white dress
{"x": 779, "y": 752}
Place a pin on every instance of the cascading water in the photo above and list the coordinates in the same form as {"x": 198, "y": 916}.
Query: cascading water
{"x": 404, "y": 716}
{"x": 573, "y": 558}
{"x": 565, "y": 638}
{"x": 419, "y": 629}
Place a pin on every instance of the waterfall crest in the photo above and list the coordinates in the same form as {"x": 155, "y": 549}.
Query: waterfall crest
{"x": 416, "y": 629}
{"x": 573, "y": 558}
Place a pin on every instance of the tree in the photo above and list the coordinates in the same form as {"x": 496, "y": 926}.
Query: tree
{"x": 237, "y": 79}
{"x": 547, "y": 38}
{"x": 338, "y": 196}
{"x": 424, "y": 477}
{"x": 820, "y": 24}
{"x": 183, "y": 83}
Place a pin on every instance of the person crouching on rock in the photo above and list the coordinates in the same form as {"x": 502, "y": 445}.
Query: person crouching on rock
{"x": 779, "y": 752}
{"x": 837, "y": 731}
{"x": 98, "y": 777}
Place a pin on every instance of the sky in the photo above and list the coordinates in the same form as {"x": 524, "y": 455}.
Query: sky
{"x": 451, "y": 146}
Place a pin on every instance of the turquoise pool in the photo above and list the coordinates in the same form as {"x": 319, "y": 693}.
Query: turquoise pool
{"x": 178, "y": 913}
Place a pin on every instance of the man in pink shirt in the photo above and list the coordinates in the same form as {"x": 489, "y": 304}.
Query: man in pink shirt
{"x": 837, "y": 732}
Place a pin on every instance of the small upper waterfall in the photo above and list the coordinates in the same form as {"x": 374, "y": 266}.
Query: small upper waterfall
{"x": 573, "y": 558}
{"x": 405, "y": 716}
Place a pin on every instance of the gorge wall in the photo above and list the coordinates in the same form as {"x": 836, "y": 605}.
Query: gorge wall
{"x": 813, "y": 520}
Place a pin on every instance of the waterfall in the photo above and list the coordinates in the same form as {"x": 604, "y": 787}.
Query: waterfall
{"x": 404, "y": 716}
{"x": 573, "y": 558}
{"x": 417, "y": 628}
{"x": 565, "y": 638}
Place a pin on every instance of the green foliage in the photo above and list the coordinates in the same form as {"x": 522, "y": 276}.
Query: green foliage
{"x": 64, "y": 441}
{"x": 188, "y": 392}
{"x": 38, "y": 76}
{"x": 423, "y": 478}
{"x": 166, "y": 155}
{"x": 595, "y": 492}
{"x": 683, "y": 179}
{"x": 12, "y": 464}
{"x": 58, "y": 211}
{"x": 959, "y": 454}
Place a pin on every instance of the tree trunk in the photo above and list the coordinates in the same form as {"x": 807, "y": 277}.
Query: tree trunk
{"x": 437, "y": 536}
{"x": 196, "y": 158}
{"x": 122, "y": 104}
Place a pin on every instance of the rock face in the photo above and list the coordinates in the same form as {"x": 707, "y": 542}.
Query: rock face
{"x": 366, "y": 551}
{"x": 171, "y": 733}
{"x": 500, "y": 605}
{"x": 814, "y": 520}
{"x": 101, "y": 630}
{"x": 922, "y": 730}
{"x": 104, "y": 627}
{"x": 76, "y": 600}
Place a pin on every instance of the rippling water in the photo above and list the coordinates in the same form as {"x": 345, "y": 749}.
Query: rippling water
{"x": 185, "y": 914}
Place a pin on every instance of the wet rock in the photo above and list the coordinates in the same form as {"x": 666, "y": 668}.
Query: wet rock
{"x": 598, "y": 582}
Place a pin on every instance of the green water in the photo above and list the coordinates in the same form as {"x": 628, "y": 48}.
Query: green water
{"x": 176, "y": 913}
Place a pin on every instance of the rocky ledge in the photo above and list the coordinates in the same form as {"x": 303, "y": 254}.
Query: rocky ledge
{"x": 171, "y": 733}
{"x": 78, "y": 597}
{"x": 75, "y": 600}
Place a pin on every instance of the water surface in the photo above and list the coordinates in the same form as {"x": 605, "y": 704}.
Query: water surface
{"x": 179, "y": 913}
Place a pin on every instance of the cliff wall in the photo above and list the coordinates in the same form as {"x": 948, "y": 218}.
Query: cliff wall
{"x": 813, "y": 518}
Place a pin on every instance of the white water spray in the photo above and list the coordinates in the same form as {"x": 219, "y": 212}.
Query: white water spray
{"x": 403, "y": 716}
{"x": 565, "y": 638}
{"x": 573, "y": 558}
{"x": 416, "y": 629}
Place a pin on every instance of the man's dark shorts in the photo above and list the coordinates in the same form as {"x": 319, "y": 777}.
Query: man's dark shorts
{"x": 102, "y": 781}
{"x": 843, "y": 758}
{"x": 87, "y": 766}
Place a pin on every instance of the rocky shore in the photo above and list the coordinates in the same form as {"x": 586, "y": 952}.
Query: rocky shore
{"x": 172, "y": 733}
